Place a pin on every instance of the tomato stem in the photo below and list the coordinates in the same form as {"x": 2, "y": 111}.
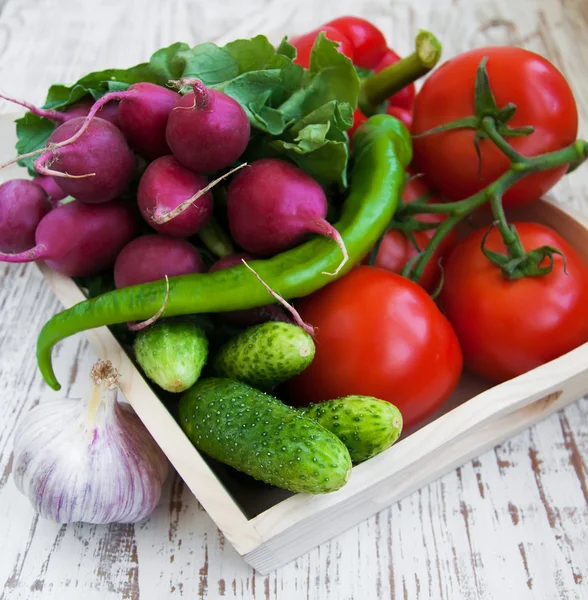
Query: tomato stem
{"x": 379, "y": 87}
{"x": 489, "y": 126}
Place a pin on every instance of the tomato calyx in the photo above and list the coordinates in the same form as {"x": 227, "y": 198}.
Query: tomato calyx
{"x": 516, "y": 263}
{"x": 488, "y": 120}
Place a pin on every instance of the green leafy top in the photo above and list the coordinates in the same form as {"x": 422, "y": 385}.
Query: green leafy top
{"x": 299, "y": 114}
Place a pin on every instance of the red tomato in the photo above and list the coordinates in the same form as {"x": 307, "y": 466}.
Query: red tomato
{"x": 403, "y": 114}
{"x": 379, "y": 334}
{"x": 544, "y": 100}
{"x": 509, "y": 327}
{"x": 405, "y": 97}
{"x": 396, "y": 249}
{"x": 368, "y": 41}
{"x": 304, "y": 43}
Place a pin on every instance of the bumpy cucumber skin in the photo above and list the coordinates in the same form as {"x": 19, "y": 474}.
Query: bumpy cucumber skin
{"x": 265, "y": 355}
{"x": 257, "y": 434}
{"x": 366, "y": 425}
{"x": 172, "y": 354}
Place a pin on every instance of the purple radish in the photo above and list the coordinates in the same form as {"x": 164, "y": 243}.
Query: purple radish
{"x": 165, "y": 188}
{"x": 208, "y": 130}
{"x": 79, "y": 239}
{"x": 96, "y": 167}
{"x": 109, "y": 112}
{"x": 22, "y": 206}
{"x": 152, "y": 257}
{"x": 248, "y": 316}
{"x": 51, "y": 187}
{"x": 79, "y": 109}
{"x": 273, "y": 206}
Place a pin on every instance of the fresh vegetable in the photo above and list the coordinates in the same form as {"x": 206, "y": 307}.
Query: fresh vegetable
{"x": 509, "y": 326}
{"x": 265, "y": 355}
{"x": 208, "y": 130}
{"x": 108, "y": 112}
{"x": 22, "y": 206}
{"x": 163, "y": 187}
{"x": 79, "y": 239}
{"x": 95, "y": 168}
{"x": 404, "y": 98}
{"x": 91, "y": 460}
{"x": 51, "y": 187}
{"x": 255, "y": 433}
{"x": 142, "y": 115}
{"x": 378, "y": 334}
{"x": 400, "y": 113}
{"x": 248, "y": 316}
{"x": 404, "y": 241}
{"x": 304, "y": 44}
{"x": 367, "y": 426}
{"x": 383, "y": 151}
{"x": 368, "y": 42}
{"x": 273, "y": 206}
{"x": 172, "y": 353}
{"x": 153, "y": 256}
{"x": 143, "y": 112}
{"x": 545, "y": 120}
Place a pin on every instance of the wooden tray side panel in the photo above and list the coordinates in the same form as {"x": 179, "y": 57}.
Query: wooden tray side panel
{"x": 181, "y": 453}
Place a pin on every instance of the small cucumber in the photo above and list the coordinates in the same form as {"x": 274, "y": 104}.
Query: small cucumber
{"x": 265, "y": 355}
{"x": 257, "y": 434}
{"x": 366, "y": 425}
{"x": 172, "y": 353}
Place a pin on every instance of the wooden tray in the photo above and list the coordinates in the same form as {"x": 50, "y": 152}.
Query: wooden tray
{"x": 270, "y": 527}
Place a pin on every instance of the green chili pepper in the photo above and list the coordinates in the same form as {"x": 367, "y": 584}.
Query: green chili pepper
{"x": 382, "y": 151}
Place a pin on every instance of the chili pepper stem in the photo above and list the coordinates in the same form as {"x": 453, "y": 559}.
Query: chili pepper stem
{"x": 376, "y": 89}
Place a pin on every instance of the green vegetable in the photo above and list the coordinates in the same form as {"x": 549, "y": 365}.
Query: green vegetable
{"x": 256, "y": 434}
{"x": 366, "y": 425}
{"x": 265, "y": 355}
{"x": 300, "y": 114}
{"x": 382, "y": 148}
{"x": 172, "y": 354}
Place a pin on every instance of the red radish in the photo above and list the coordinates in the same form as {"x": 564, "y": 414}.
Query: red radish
{"x": 51, "y": 187}
{"x": 109, "y": 112}
{"x": 273, "y": 206}
{"x": 248, "y": 316}
{"x": 152, "y": 257}
{"x": 95, "y": 168}
{"x": 79, "y": 109}
{"x": 208, "y": 130}
{"x": 79, "y": 239}
{"x": 22, "y": 206}
{"x": 164, "y": 186}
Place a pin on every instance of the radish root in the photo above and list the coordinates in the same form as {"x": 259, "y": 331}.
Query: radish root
{"x": 295, "y": 314}
{"x": 137, "y": 326}
{"x": 51, "y": 148}
{"x": 162, "y": 216}
{"x": 53, "y": 115}
{"x": 325, "y": 228}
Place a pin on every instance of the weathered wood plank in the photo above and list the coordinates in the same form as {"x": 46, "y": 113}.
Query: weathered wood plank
{"x": 512, "y": 523}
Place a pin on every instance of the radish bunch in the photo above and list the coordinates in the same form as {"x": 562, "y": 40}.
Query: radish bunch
{"x": 138, "y": 167}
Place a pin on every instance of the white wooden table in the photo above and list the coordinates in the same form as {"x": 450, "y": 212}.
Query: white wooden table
{"x": 511, "y": 524}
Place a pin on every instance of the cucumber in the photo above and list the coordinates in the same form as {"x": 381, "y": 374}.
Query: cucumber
{"x": 257, "y": 434}
{"x": 172, "y": 353}
{"x": 265, "y": 355}
{"x": 366, "y": 425}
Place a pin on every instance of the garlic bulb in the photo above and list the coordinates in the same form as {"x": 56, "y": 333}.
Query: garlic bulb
{"x": 92, "y": 462}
